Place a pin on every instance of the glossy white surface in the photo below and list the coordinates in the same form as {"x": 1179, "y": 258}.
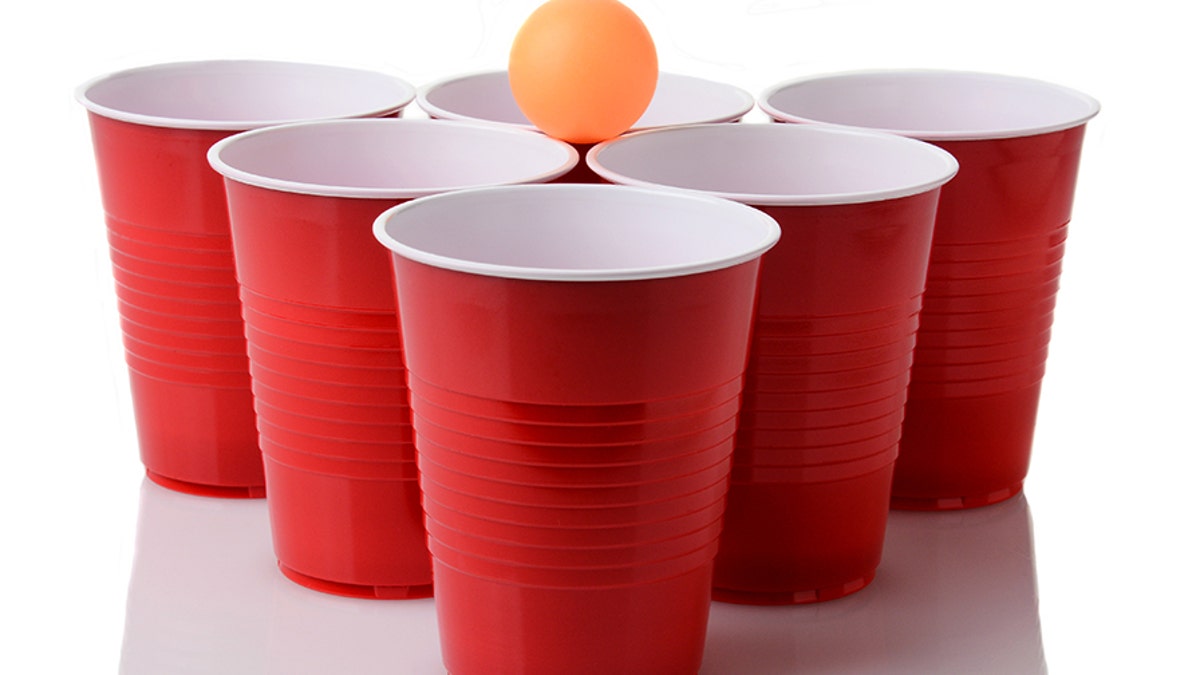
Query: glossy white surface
{"x": 958, "y": 594}
{"x": 1111, "y": 491}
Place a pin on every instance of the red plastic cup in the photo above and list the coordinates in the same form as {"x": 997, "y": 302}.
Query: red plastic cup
{"x": 954, "y": 305}
{"x": 387, "y": 428}
{"x": 582, "y": 492}
{"x": 169, "y": 237}
{"x": 566, "y": 472}
{"x": 789, "y": 472}
{"x": 330, "y": 354}
{"x": 391, "y": 375}
{"x": 548, "y": 433}
{"x": 627, "y": 413}
{"x": 678, "y": 99}
{"x": 322, "y": 331}
{"x": 966, "y": 357}
{"x": 332, "y": 449}
{"x": 820, "y": 556}
{"x": 847, "y": 201}
{"x": 997, "y": 267}
{"x": 562, "y": 536}
{"x": 321, "y": 323}
{"x": 602, "y": 560}
{"x": 304, "y": 528}
{"x": 603, "y": 635}
{"x": 576, "y": 517}
{"x": 787, "y": 452}
{"x": 324, "y": 502}
{"x": 329, "y": 410}
{"x": 974, "y": 337}
{"x": 573, "y": 296}
{"x": 1018, "y": 142}
{"x": 577, "y": 455}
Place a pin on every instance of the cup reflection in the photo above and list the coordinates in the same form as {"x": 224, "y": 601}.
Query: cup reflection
{"x": 956, "y": 593}
{"x": 205, "y": 597}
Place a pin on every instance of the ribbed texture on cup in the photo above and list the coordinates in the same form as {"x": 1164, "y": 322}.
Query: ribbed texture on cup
{"x": 989, "y": 307}
{"x": 333, "y": 415}
{"x": 587, "y": 496}
{"x": 985, "y": 330}
{"x": 186, "y": 352}
{"x": 825, "y": 391}
{"x": 177, "y": 319}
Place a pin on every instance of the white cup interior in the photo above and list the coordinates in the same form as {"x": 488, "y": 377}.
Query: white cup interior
{"x": 388, "y": 158}
{"x": 781, "y": 164}
{"x": 576, "y": 232}
{"x": 236, "y": 95}
{"x": 678, "y": 99}
{"x": 931, "y": 105}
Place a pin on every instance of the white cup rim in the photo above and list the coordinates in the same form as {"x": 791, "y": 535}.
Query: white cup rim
{"x": 391, "y": 96}
{"x": 739, "y": 102}
{"x": 1082, "y": 106}
{"x": 752, "y": 231}
{"x": 937, "y": 165}
{"x": 560, "y": 157}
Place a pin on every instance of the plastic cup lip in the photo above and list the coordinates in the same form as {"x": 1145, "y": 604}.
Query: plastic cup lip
{"x": 370, "y": 158}
{"x": 159, "y": 95}
{"x": 776, "y": 164}
{"x": 967, "y": 105}
{"x": 678, "y": 99}
{"x": 588, "y": 232}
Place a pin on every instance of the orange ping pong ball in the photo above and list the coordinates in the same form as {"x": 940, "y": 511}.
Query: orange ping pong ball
{"x": 583, "y": 71}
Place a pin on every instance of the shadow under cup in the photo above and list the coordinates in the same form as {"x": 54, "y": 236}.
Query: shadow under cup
{"x": 576, "y": 355}
{"x": 833, "y": 341}
{"x": 995, "y": 264}
{"x": 326, "y": 359}
{"x": 168, "y": 233}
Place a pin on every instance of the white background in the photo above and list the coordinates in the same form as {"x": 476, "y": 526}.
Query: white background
{"x": 1112, "y": 491}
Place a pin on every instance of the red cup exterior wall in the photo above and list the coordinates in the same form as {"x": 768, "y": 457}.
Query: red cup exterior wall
{"x": 320, "y": 260}
{"x": 845, "y": 262}
{"x": 969, "y": 443}
{"x": 321, "y": 327}
{"x": 845, "y": 259}
{"x": 198, "y": 433}
{"x": 984, "y": 467}
{"x": 1009, "y": 188}
{"x": 325, "y": 529}
{"x": 159, "y": 178}
{"x": 158, "y": 190}
{"x": 655, "y": 331}
{"x": 834, "y": 542}
{"x": 653, "y": 627}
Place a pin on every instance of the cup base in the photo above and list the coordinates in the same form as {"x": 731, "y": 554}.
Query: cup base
{"x": 357, "y": 590}
{"x": 902, "y": 503}
{"x": 803, "y": 597}
{"x": 203, "y": 490}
